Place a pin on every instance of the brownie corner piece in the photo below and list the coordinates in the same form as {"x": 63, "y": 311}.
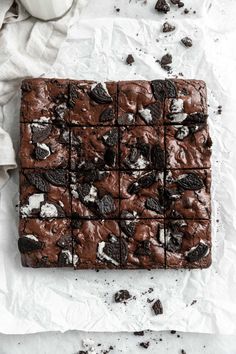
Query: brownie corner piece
{"x": 92, "y": 103}
{"x": 97, "y": 244}
{"x": 137, "y": 104}
{"x": 145, "y": 243}
{"x": 189, "y": 106}
{"x": 188, "y": 243}
{"x": 44, "y": 100}
{"x": 45, "y": 243}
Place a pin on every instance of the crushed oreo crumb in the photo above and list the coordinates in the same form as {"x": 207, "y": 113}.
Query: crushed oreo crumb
{"x": 167, "y": 27}
{"x": 187, "y": 42}
{"x": 122, "y": 296}
{"x": 130, "y": 59}
{"x": 144, "y": 345}
{"x": 162, "y": 6}
{"x": 157, "y": 307}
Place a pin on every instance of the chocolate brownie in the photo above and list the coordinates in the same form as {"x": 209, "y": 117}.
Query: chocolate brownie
{"x": 140, "y": 193}
{"x": 96, "y": 145}
{"x": 145, "y": 243}
{"x": 44, "y": 146}
{"x": 187, "y": 146}
{"x": 92, "y": 103}
{"x": 45, "y": 243}
{"x": 188, "y": 243}
{"x": 142, "y": 148}
{"x": 97, "y": 244}
{"x": 95, "y": 194}
{"x": 137, "y": 104}
{"x": 189, "y": 105}
{"x": 44, "y": 100}
{"x": 187, "y": 194}
{"x": 115, "y": 174}
{"x": 44, "y": 194}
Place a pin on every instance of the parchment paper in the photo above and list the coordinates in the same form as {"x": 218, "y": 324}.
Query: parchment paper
{"x": 34, "y": 300}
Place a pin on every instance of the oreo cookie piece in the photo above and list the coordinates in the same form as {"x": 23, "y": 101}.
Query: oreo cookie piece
{"x": 57, "y": 177}
{"x": 128, "y": 227}
{"x": 123, "y": 252}
{"x": 143, "y": 182}
{"x": 65, "y": 258}
{"x": 162, "y": 6}
{"x": 109, "y": 250}
{"x": 153, "y": 204}
{"x": 198, "y": 252}
{"x": 187, "y": 42}
{"x": 167, "y": 27}
{"x": 191, "y": 181}
{"x": 37, "y": 180}
{"x": 40, "y": 132}
{"x": 122, "y": 296}
{"x": 111, "y": 138}
{"x": 29, "y": 243}
{"x": 157, "y": 307}
{"x": 143, "y": 249}
{"x": 109, "y": 157}
{"x": 106, "y": 205}
{"x": 158, "y": 157}
{"x": 152, "y": 113}
{"x": 42, "y": 151}
{"x": 100, "y": 94}
{"x": 107, "y": 115}
{"x": 163, "y": 89}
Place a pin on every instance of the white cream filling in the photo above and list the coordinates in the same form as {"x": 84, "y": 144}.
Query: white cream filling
{"x": 193, "y": 248}
{"x": 146, "y": 114}
{"x": 31, "y": 237}
{"x": 178, "y": 117}
{"x": 177, "y": 105}
{"x": 33, "y": 203}
{"x": 92, "y": 195}
{"x": 43, "y": 119}
{"x": 69, "y": 256}
{"x": 162, "y": 236}
{"x": 101, "y": 255}
{"x": 141, "y": 163}
{"x": 44, "y": 147}
{"x": 48, "y": 211}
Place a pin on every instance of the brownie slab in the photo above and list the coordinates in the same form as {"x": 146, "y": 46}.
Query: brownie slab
{"x": 187, "y": 146}
{"x": 44, "y": 146}
{"x": 187, "y": 194}
{"x": 94, "y": 145}
{"x": 137, "y": 104}
{"x": 188, "y": 243}
{"x": 142, "y": 148}
{"x": 92, "y": 103}
{"x": 145, "y": 243}
{"x": 44, "y": 194}
{"x": 95, "y": 194}
{"x": 140, "y": 194}
{"x": 44, "y": 100}
{"x": 189, "y": 104}
{"x": 97, "y": 244}
{"x": 45, "y": 243}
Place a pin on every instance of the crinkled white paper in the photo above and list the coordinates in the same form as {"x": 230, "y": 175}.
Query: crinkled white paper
{"x": 34, "y": 300}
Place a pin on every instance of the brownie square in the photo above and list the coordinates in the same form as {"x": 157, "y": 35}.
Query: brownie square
{"x": 92, "y": 103}
{"x": 141, "y": 193}
{"x": 189, "y": 105}
{"x": 137, "y": 104}
{"x": 44, "y": 194}
{"x": 187, "y": 194}
{"x": 188, "y": 243}
{"x": 44, "y": 146}
{"x": 95, "y": 194}
{"x": 94, "y": 145}
{"x": 45, "y": 243}
{"x": 145, "y": 243}
{"x": 96, "y": 244}
{"x": 142, "y": 148}
{"x": 44, "y": 100}
{"x": 187, "y": 146}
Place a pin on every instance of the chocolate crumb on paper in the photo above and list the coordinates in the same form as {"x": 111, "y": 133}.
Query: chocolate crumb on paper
{"x": 130, "y": 59}
{"x": 157, "y": 307}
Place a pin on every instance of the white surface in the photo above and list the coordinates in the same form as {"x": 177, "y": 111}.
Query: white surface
{"x": 123, "y": 343}
{"x": 97, "y": 50}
